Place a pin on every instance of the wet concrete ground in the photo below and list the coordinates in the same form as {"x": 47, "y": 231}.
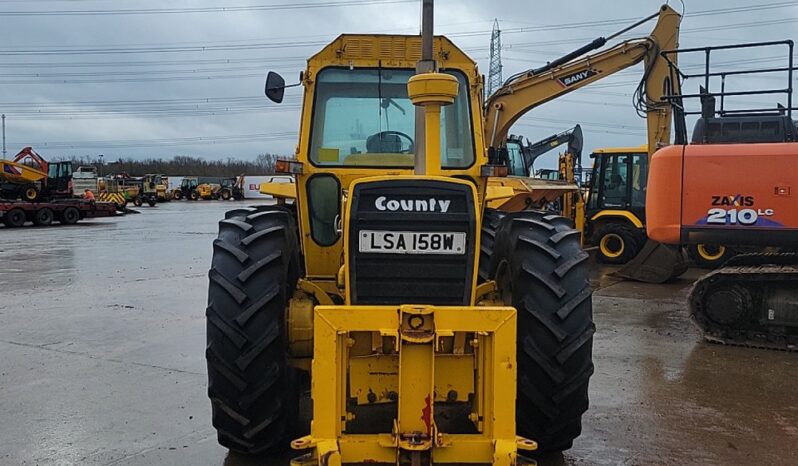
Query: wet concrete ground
{"x": 102, "y": 336}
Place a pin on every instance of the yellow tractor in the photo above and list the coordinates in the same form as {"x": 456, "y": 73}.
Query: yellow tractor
{"x": 365, "y": 289}
{"x": 209, "y": 191}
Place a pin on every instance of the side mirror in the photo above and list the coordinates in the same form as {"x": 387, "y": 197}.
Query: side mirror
{"x": 275, "y": 87}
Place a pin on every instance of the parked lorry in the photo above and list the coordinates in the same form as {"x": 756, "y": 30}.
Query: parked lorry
{"x": 65, "y": 211}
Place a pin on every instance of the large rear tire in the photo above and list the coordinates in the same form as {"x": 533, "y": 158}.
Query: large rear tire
{"x": 490, "y": 223}
{"x": 542, "y": 271}
{"x": 254, "y": 394}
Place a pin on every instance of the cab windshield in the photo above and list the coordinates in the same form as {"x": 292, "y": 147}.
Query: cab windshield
{"x": 364, "y": 117}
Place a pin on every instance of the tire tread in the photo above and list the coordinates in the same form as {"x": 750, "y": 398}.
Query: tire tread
{"x": 546, "y": 269}
{"x": 252, "y": 275}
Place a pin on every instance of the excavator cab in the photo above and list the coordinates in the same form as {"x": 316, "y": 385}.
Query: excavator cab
{"x": 548, "y": 174}
{"x": 516, "y": 163}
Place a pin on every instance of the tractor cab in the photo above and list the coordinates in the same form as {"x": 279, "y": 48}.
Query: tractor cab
{"x": 187, "y": 189}
{"x": 360, "y": 121}
{"x": 59, "y": 178}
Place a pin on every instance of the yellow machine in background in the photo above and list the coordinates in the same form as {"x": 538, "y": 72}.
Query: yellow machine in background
{"x": 209, "y": 191}
{"x": 525, "y": 91}
{"x": 20, "y": 173}
{"x": 428, "y": 327}
{"x": 615, "y": 214}
{"x": 618, "y": 242}
{"x": 117, "y": 191}
{"x": 160, "y": 183}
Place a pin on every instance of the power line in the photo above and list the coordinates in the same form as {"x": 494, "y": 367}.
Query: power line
{"x": 260, "y": 44}
{"x": 159, "y": 49}
{"x": 185, "y": 100}
{"x": 142, "y": 63}
{"x": 136, "y": 80}
{"x": 188, "y": 141}
{"x": 220, "y": 9}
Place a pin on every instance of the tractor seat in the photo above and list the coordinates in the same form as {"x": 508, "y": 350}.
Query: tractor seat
{"x": 382, "y": 143}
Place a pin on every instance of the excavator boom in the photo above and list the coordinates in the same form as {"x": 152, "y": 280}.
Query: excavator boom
{"x": 29, "y": 157}
{"x": 526, "y": 91}
{"x": 530, "y": 89}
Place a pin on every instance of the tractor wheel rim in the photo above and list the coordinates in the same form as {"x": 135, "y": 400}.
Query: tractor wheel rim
{"x": 710, "y": 252}
{"x": 30, "y": 193}
{"x": 612, "y": 245}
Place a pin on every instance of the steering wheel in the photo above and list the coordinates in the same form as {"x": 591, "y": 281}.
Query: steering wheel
{"x": 378, "y": 140}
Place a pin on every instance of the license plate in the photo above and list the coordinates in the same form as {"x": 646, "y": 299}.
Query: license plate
{"x": 412, "y": 242}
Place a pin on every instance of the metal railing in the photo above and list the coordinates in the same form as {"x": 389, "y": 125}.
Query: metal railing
{"x": 707, "y": 74}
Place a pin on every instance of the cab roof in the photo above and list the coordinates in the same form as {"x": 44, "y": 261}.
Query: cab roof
{"x": 622, "y": 150}
{"x": 388, "y": 50}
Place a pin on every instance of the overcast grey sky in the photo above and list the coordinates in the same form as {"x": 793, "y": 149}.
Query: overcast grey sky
{"x": 164, "y": 84}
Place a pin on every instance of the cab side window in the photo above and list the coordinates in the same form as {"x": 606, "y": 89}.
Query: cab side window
{"x": 324, "y": 202}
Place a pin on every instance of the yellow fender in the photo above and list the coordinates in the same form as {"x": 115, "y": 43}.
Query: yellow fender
{"x": 279, "y": 190}
{"x": 632, "y": 218}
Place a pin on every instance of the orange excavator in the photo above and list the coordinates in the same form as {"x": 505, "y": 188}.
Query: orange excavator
{"x": 735, "y": 183}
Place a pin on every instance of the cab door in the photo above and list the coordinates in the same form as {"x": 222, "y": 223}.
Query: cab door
{"x": 638, "y": 182}
{"x": 613, "y": 182}
{"x": 59, "y": 177}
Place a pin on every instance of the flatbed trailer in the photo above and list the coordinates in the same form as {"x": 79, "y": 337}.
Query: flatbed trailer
{"x": 64, "y": 211}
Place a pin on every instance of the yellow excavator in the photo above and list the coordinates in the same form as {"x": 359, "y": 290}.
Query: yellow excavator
{"x": 365, "y": 290}
{"x": 616, "y": 228}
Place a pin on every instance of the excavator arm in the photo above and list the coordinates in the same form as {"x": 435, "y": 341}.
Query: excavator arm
{"x": 572, "y": 137}
{"x": 36, "y": 160}
{"x": 525, "y": 91}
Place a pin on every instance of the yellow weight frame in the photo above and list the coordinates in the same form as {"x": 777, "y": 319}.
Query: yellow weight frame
{"x": 416, "y": 344}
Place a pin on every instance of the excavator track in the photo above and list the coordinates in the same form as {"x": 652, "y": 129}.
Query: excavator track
{"x": 751, "y": 301}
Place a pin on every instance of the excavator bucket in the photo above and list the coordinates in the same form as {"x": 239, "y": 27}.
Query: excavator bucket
{"x": 656, "y": 263}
